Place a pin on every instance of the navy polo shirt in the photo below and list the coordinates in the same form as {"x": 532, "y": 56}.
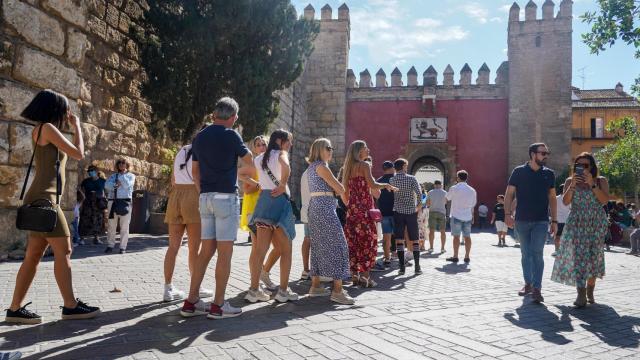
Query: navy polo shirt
{"x": 217, "y": 149}
{"x": 385, "y": 201}
{"x": 532, "y": 192}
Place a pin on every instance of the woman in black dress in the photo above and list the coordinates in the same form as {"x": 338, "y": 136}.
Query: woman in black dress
{"x": 94, "y": 207}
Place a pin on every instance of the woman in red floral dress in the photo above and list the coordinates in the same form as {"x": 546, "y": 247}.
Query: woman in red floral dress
{"x": 360, "y": 229}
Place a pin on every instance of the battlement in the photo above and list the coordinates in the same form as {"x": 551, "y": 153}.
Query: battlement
{"x": 326, "y": 13}
{"x": 430, "y": 77}
{"x": 548, "y": 11}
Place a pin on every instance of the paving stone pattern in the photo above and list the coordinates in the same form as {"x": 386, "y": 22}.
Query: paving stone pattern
{"x": 449, "y": 312}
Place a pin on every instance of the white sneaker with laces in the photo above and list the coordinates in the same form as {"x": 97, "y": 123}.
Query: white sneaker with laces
{"x": 224, "y": 311}
{"x": 200, "y": 308}
{"x": 206, "y": 293}
{"x": 255, "y": 295}
{"x": 171, "y": 293}
{"x": 342, "y": 298}
{"x": 304, "y": 275}
{"x": 266, "y": 280}
{"x": 286, "y": 295}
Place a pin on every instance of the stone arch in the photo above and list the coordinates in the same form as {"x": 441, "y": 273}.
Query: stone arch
{"x": 433, "y": 155}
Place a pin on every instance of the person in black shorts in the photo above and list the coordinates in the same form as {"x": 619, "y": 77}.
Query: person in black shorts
{"x": 405, "y": 213}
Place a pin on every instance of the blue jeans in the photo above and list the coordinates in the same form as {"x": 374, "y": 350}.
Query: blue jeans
{"x": 459, "y": 226}
{"x": 76, "y": 233}
{"x": 532, "y": 236}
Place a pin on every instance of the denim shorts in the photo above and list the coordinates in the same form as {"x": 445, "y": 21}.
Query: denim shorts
{"x": 275, "y": 211}
{"x": 459, "y": 226}
{"x": 387, "y": 224}
{"x": 219, "y": 216}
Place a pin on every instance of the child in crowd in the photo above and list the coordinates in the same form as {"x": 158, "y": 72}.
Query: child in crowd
{"x": 77, "y": 240}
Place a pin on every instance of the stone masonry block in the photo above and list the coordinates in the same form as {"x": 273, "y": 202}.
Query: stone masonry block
{"x": 11, "y": 178}
{"x": 97, "y": 27}
{"x": 76, "y": 46}
{"x": 128, "y": 146}
{"x": 90, "y": 134}
{"x": 4, "y": 142}
{"x": 123, "y": 124}
{"x": 6, "y": 57}
{"x": 97, "y": 7}
{"x": 110, "y": 141}
{"x": 13, "y": 99}
{"x": 46, "y": 72}
{"x": 35, "y": 26}
{"x": 133, "y": 10}
{"x": 20, "y": 144}
{"x": 74, "y": 12}
{"x": 113, "y": 15}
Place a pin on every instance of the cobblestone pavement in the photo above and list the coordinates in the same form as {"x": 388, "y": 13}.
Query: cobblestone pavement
{"x": 450, "y": 311}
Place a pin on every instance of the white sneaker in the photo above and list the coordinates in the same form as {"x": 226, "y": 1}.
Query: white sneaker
{"x": 199, "y": 308}
{"x": 286, "y": 295}
{"x": 171, "y": 294}
{"x": 319, "y": 291}
{"x": 342, "y": 298}
{"x": 325, "y": 279}
{"x": 224, "y": 311}
{"x": 305, "y": 275}
{"x": 256, "y": 295}
{"x": 206, "y": 293}
{"x": 266, "y": 280}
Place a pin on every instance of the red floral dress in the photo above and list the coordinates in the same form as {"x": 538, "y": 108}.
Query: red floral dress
{"x": 360, "y": 229}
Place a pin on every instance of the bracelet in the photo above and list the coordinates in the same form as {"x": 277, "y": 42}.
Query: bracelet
{"x": 554, "y": 221}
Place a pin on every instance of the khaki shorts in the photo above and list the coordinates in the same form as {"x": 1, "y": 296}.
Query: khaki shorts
{"x": 437, "y": 221}
{"x": 183, "y": 205}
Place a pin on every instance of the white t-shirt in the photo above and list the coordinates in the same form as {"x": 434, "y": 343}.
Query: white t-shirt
{"x": 274, "y": 165}
{"x": 463, "y": 199}
{"x": 483, "y": 210}
{"x": 563, "y": 210}
{"x": 305, "y": 196}
{"x": 76, "y": 211}
{"x": 183, "y": 176}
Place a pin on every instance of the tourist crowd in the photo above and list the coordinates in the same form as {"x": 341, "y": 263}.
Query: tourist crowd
{"x": 340, "y": 215}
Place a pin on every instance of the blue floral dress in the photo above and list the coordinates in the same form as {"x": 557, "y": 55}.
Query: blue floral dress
{"x": 329, "y": 251}
{"x": 581, "y": 252}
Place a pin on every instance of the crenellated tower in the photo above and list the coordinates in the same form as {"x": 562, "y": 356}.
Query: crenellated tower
{"x": 539, "y": 81}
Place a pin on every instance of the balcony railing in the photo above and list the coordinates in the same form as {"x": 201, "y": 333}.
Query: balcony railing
{"x": 583, "y": 134}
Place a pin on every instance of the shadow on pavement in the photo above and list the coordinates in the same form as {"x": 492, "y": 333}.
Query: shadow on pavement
{"x": 538, "y": 317}
{"x": 605, "y": 323}
{"x": 454, "y": 268}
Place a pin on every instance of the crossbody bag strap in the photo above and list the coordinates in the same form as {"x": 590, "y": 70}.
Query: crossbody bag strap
{"x": 58, "y": 182}
{"x": 272, "y": 177}
{"x": 26, "y": 178}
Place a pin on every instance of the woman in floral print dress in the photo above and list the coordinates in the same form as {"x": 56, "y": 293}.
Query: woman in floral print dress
{"x": 580, "y": 258}
{"x": 360, "y": 229}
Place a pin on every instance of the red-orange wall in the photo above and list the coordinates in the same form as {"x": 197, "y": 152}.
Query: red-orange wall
{"x": 477, "y": 129}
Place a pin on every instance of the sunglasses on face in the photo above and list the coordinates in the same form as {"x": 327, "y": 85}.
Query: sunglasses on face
{"x": 329, "y": 148}
{"x": 586, "y": 166}
{"x": 543, "y": 153}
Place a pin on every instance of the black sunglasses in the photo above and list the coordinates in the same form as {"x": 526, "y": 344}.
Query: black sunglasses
{"x": 329, "y": 148}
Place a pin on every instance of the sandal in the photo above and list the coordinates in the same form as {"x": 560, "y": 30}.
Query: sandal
{"x": 355, "y": 279}
{"x": 367, "y": 282}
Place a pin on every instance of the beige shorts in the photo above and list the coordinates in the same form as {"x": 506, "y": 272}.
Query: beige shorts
{"x": 501, "y": 226}
{"x": 183, "y": 205}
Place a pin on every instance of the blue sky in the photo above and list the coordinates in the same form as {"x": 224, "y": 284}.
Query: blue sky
{"x": 405, "y": 33}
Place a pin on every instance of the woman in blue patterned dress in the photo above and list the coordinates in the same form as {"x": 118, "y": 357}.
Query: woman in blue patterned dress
{"x": 580, "y": 258}
{"x": 329, "y": 250}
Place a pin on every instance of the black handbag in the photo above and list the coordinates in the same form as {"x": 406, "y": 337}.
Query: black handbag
{"x": 40, "y": 215}
{"x": 102, "y": 203}
{"x": 119, "y": 206}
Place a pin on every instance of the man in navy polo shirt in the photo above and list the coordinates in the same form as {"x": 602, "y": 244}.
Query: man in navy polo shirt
{"x": 533, "y": 185}
{"x": 216, "y": 150}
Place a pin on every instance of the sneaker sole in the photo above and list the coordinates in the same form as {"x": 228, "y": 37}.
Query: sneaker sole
{"x": 19, "y": 320}
{"x": 319, "y": 295}
{"x": 90, "y": 315}
{"x": 191, "y": 314}
{"x": 255, "y": 300}
{"x": 220, "y": 317}
{"x": 338, "y": 301}
{"x": 174, "y": 298}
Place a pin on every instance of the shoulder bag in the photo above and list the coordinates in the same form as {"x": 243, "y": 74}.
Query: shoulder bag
{"x": 40, "y": 215}
{"x": 119, "y": 206}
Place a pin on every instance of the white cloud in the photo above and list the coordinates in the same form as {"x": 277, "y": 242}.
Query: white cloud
{"x": 476, "y": 11}
{"x": 381, "y": 27}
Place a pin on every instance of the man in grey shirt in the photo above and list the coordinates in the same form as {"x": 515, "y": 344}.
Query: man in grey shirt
{"x": 437, "y": 201}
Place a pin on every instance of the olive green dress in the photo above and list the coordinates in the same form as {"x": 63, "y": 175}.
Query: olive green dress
{"x": 44, "y": 185}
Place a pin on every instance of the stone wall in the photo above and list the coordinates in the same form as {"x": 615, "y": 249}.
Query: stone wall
{"x": 83, "y": 50}
{"x": 540, "y": 82}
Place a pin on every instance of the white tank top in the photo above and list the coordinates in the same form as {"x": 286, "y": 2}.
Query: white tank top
{"x": 183, "y": 176}
{"x": 274, "y": 165}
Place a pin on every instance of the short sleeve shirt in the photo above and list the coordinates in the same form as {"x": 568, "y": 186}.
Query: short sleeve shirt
{"x": 408, "y": 196}
{"x": 438, "y": 201}
{"x": 217, "y": 149}
{"x": 498, "y": 210}
{"x": 385, "y": 201}
{"x": 532, "y": 192}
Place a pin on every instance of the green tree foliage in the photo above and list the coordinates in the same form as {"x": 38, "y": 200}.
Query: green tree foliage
{"x": 616, "y": 20}
{"x": 196, "y": 51}
{"x": 620, "y": 160}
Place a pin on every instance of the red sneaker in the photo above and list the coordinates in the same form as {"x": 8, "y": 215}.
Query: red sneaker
{"x": 193, "y": 309}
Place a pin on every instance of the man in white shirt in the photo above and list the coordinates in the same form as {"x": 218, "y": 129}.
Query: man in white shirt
{"x": 483, "y": 211}
{"x": 563, "y": 215}
{"x": 463, "y": 200}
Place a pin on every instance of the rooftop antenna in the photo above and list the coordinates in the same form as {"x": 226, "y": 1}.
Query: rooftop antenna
{"x": 582, "y": 75}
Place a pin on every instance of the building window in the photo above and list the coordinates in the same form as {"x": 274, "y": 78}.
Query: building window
{"x": 597, "y": 128}
{"x": 595, "y": 149}
{"x": 538, "y": 40}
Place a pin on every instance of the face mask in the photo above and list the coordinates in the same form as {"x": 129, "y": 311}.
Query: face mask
{"x": 92, "y": 173}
